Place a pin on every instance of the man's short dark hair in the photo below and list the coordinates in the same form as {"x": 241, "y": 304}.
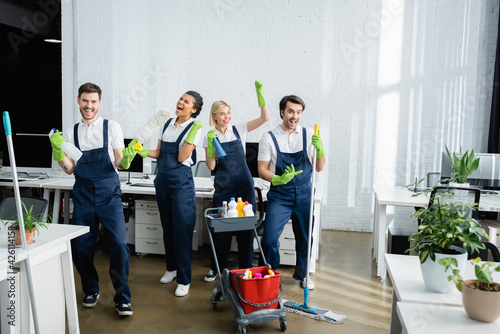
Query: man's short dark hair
{"x": 89, "y": 88}
{"x": 293, "y": 99}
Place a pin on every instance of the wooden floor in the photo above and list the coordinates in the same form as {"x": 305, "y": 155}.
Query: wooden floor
{"x": 345, "y": 283}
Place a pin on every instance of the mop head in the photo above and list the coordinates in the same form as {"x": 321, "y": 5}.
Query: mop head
{"x": 314, "y": 312}
{"x": 144, "y": 133}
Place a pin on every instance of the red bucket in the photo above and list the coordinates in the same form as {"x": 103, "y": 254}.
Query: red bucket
{"x": 257, "y": 293}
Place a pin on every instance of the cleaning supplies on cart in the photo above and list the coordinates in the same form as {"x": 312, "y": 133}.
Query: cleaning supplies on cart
{"x": 224, "y": 209}
{"x": 232, "y": 212}
{"x": 271, "y": 273}
{"x": 247, "y": 209}
{"x": 257, "y": 275}
{"x": 248, "y": 274}
{"x": 71, "y": 150}
{"x": 239, "y": 207}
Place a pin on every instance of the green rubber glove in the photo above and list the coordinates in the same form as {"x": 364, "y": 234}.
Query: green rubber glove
{"x": 55, "y": 141}
{"x": 192, "y": 133}
{"x": 143, "y": 153}
{"x": 260, "y": 97}
{"x": 211, "y": 135}
{"x": 286, "y": 177}
{"x": 318, "y": 143}
{"x": 129, "y": 153}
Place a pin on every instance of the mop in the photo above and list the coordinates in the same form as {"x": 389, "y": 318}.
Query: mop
{"x": 305, "y": 309}
{"x": 26, "y": 262}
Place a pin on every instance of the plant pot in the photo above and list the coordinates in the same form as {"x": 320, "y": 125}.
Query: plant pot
{"x": 29, "y": 236}
{"x": 460, "y": 194}
{"x": 481, "y": 305}
{"x": 434, "y": 275}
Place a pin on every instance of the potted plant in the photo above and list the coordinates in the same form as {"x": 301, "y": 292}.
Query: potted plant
{"x": 443, "y": 227}
{"x": 462, "y": 166}
{"x": 480, "y": 297}
{"x": 32, "y": 222}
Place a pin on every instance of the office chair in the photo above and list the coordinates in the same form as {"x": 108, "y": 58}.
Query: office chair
{"x": 201, "y": 169}
{"x": 8, "y": 208}
{"x": 491, "y": 249}
{"x": 452, "y": 194}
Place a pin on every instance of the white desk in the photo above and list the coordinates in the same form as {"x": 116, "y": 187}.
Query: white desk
{"x": 439, "y": 319}
{"x": 53, "y": 278}
{"x": 408, "y": 287}
{"x": 399, "y": 196}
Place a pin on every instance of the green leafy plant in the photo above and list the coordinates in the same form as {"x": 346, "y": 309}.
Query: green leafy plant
{"x": 462, "y": 167}
{"x": 31, "y": 221}
{"x": 483, "y": 272}
{"x": 444, "y": 224}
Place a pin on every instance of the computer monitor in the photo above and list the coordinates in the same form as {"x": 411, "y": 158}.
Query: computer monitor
{"x": 252, "y": 152}
{"x": 32, "y": 153}
{"x": 137, "y": 163}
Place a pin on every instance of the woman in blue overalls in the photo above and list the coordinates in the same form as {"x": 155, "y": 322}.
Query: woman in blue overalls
{"x": 232, "y": 177}
{"x": 175, "y": 192}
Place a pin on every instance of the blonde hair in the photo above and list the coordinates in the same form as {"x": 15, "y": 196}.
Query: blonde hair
{"x": 216, "y": 106}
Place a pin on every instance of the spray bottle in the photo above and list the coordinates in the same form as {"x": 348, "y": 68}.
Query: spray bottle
{"x": 71, "y": 150}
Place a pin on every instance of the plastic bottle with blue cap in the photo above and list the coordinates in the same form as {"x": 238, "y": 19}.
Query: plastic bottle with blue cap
{"x": 232, "y": 212}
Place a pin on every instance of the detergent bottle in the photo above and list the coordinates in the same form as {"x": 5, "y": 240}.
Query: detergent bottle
{"x": 247, "y": 209}
{"x": 239, "y": 207}
{"x": 232, "y": 212}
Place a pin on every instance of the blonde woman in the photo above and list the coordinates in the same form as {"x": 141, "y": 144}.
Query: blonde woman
{"x": 232, "y": 176}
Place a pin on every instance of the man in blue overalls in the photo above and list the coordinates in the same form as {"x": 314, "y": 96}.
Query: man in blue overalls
{"x": 97, "y": 195}
{"x": 285, "y": 161}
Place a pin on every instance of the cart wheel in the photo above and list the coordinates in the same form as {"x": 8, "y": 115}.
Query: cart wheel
{"x": 283, "y": 324}
{"x": 242, "y": 329}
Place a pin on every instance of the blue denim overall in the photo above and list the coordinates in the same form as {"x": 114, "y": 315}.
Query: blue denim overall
{"x": 233, "y": 179}
{"x": 291, "y": 200}
{"x": 175, "y": 194}
{"x": 97, "y": 198}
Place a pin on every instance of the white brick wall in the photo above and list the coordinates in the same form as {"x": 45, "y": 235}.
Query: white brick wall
{"x": 390, "y": 82}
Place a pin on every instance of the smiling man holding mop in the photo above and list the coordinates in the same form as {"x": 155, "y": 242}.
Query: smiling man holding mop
{"x": 285, "y": 160}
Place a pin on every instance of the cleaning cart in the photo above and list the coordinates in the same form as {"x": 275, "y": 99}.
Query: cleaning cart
{"x": 253, "y": 300}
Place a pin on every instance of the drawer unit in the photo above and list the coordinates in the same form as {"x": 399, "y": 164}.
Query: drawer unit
{"x": 287, "y": 245}
{"x": 148, "y": 230}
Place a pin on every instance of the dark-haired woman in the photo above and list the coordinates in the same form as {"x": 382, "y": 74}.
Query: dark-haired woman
{"x": 175, "y": 192}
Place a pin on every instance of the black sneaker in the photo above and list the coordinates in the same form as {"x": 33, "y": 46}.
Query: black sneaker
{"x": 90, "y": 300}
{"x": 123, "y": 309}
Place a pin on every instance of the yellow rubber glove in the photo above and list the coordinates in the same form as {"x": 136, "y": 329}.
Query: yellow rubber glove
{"x": 286, "y": 177}
{"x": 192, "y": 133}
{"x": 55, "y": 141}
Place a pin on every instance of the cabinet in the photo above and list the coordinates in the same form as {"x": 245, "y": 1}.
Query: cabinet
{"x": 148, "y": 230}
{"x": 287, "y": 245}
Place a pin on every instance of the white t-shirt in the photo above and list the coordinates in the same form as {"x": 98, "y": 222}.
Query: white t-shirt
{"x": 288, "y": 143}
{"x": 91, "y": 137}
{"x": 230, "y": 136}
{"x": 171, "y": 134}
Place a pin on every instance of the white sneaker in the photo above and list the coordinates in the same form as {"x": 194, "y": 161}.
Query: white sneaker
{"x": 210, "y": 276}
{"x": 303, "y": 284}
{"x": 168, "y": 277}
{"x": 182, "y": 290}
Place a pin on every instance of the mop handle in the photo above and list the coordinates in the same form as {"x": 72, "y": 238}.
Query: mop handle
{"x": 311, "y": 215}
{"x": 17, "y": 193}
{"x": 6, "y": 123}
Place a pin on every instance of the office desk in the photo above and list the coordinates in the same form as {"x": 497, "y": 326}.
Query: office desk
{"x": 408, "y": 287}
{"x": 53, "y": 280}
{"x": 438, "y": 319}
{"x": 399, "y": 196}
